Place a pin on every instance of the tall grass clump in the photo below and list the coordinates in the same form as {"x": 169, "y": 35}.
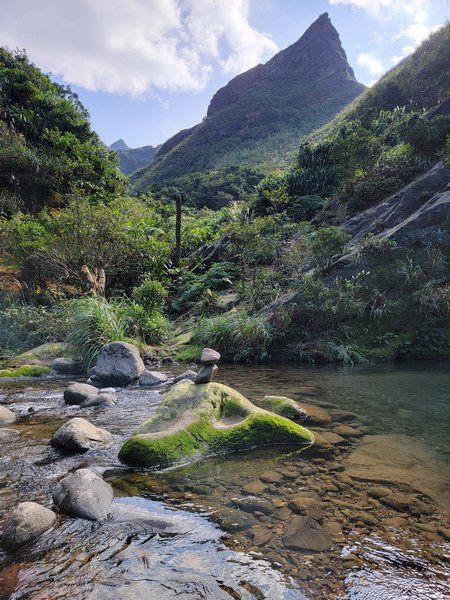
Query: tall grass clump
{"x": 95, "y": 322}
{"x": 239, "y": 337}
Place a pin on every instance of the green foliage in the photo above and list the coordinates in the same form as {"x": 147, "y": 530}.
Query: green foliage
{"x": 24, "y": 326}
{"x": 314, "y": 172}
{"x": 193, "y": 285}
{"x": 148, "y": 325}
{"x": 150, "y": 294}
{"x": 47, "y": 147}
{"x": 124, "y": 238}
{"x": 95, "y": 322}
{"x": 328, "y": 242}
{"x": 238, "y": 336}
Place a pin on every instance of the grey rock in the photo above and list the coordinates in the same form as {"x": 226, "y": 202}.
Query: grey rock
{"x": 101, "y": 399}
{"x": 209, "y": 357}
{"x": 167, "y": 361}
{"x": 84, "y": 494}
{"x": 206, "y": 374}
{"x": 77, "y": 393}
{"x": 153, "y": 378}
{"x": 79, "y": 435}
{"x": 25, "y": 523}
{"x": 304, "y": 533}
{"x": 66, "y": 366}
{"x": 95, "y": 382}
{"x": 252, "y": 504}
{"x": 6, "y": 415}
{"x": 186, "y": 375}
{"x": 119, "y": 363}
{"x": 183, "y": 381}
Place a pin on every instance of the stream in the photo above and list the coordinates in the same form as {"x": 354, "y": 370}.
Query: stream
{"x": 227, "y": 527}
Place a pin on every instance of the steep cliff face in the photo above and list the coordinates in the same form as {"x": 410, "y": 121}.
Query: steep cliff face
{"x": 133, "y": 159}
{"x": 259, "y": 116}
{"x": 318, "y": 55}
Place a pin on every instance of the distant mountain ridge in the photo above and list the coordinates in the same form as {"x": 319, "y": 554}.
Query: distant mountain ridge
{"x": 260, "y": 115}
{"x": 133, "y": 159}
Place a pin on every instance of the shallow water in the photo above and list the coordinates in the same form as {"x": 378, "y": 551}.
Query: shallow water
{"x": 229, "y": 516}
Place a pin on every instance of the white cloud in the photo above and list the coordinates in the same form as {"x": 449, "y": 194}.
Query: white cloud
{"x": 416, "y": 10}
{"x": 370, "y": 63}
{"x": 405, "y": 51}
{"x": 132, "y": 46}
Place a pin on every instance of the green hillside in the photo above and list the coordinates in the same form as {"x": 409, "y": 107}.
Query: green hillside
{"x": 47, "y": 146}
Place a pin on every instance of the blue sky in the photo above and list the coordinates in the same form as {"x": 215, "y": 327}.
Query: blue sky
{"x": 147, "y": 68}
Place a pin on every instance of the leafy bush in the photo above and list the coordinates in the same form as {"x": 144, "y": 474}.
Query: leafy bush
{"x": 328, "y": 242}
{"x": 141, "y": 323}
{"x": 239, "y": 337}
{"x": 304, "y": 208}
{"x": 150, "y": 294}
{"x": 192, "y": 285}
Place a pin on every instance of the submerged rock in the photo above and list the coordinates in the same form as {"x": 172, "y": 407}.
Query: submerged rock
{"x": 79, "y": 435}
{"x": 25, "y": 523}
{"x": 285, "y": 407}
{"x": 119, "y": 363}
{"x": 307, "y": 534}
{"x": 6, "y": 415}
{"x": 77, "y": 393}
{"x": 199, "y": 420}
{"x": 83, "y": 494}
{"x": 153, "y": 378}
{"x": 102, "y": 399}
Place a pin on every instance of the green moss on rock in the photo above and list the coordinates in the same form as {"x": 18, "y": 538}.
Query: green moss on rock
{"x": 286, "y": 407}
{"x": 201, "y": 420}
{"x": 26, "y": 371}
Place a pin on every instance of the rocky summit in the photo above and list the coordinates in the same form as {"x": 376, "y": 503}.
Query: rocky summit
{"x": 261, "y": 114}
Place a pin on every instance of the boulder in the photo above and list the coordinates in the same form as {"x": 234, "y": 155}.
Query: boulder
{"x": 153, "y": 378}
{"x": 25, "y": 523}
{"x": 66, "y": 366}
{"x": 102, "y": 399}
{"x": 183, "y": 381}
{"x": 6, "y": 415}
{"x": 199, "y": 420}
{"x": 83, "y": 494}
{"x": 285, "y": 407}
{"x": 209, "y": 357}
{"x": 79, "y": 435}
{"x": 119, "y": 363}
{"x": 315, "y": 414}
{"x": 206, "y": 374}
{"x": 189, "y": 374}
{"x": 77, "y": 393}
{"x": 304, "y": 533}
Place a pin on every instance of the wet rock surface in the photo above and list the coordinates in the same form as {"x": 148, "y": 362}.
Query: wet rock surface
{"x": 25, "y": 523}
{"x": 119, "y": 363}
{"x": 77, "y": 393}
{"x": 78, "y": 435}
{"x": 83, "y": 494}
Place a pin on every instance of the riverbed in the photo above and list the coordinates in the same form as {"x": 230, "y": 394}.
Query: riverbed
{"x": 377, "y": 488}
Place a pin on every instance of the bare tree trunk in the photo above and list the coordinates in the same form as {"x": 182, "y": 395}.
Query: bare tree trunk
{"x": 177, "y": 253}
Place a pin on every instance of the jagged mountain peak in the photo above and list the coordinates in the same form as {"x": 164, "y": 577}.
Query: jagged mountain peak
{"x": 120, "y": 145}
{"x": 317, "y": 55}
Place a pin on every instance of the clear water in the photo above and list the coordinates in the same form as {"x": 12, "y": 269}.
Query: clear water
{"x": 183, "y": 532}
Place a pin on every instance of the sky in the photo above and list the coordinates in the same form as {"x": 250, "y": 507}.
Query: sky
{"x": 145, "y": 69}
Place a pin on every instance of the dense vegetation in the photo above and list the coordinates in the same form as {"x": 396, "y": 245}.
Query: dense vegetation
{"x": 276, "y": 273}
{"x": 47, "y": 147}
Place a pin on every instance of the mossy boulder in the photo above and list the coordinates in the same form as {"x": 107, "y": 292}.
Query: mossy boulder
{"x": 194, "y": 421}
{"x": 286, "y": 407}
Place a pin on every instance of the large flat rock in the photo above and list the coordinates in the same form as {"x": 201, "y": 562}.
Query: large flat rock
{"x": 402, "y": 460}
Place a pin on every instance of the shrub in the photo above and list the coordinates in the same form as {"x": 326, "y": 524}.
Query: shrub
{"x": 239, "y": 337}
{"x": 304, "y": 208}
{"x": 96, "y": 322}
{"x": 151, "y": 294}
{"x": 150, "y": 326}
{"x": 327, "y": 243}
